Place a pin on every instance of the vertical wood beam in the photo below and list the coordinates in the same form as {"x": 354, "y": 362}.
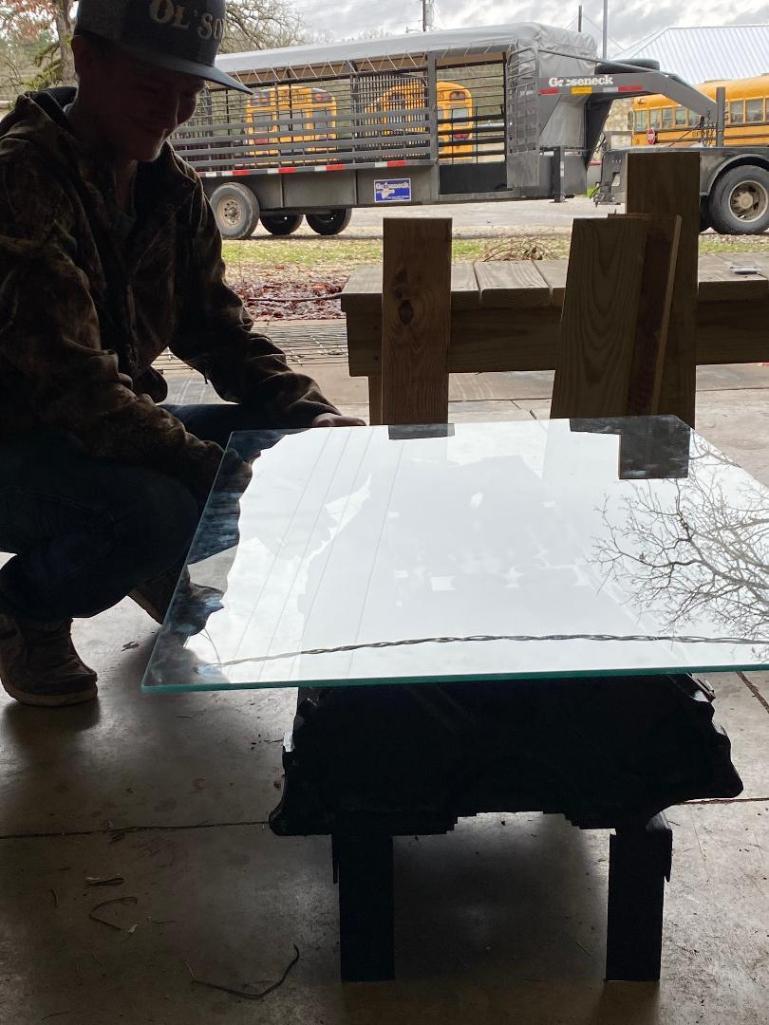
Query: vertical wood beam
{"x": 416, "y": 320}
{"x": 656, "y": 302}
{"x": 600, "y": 317}
{"x": 669, "y": 183}
{"x": 374, "y": 399}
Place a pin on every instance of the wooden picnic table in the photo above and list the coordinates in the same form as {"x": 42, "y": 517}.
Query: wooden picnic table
{"x": 506, "y": 315}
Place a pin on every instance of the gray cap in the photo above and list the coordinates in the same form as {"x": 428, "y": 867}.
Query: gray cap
{"x": 180, "y": 35}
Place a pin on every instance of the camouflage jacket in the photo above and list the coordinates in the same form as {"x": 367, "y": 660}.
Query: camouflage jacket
{"x": 84, "y": 309}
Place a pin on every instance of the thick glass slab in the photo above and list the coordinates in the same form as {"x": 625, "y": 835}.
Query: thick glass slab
{"x": 472, "y": 552}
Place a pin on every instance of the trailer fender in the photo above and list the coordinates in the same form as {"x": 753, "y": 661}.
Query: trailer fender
{"x": 711, "y": 176}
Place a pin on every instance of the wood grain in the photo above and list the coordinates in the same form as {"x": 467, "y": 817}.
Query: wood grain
{"x": 511, "y": 284}
{"x": 600, "y": 315}
{"x": 554, "y": 273}
{"x": 670, "y": 184}
{"x": 657, "y": 286}
{"x": 363, "y": 291}
{"x": 733, "y": 330}
{"x": 416, "y": 320}
{"x": 375, "y": 399}
{"x": 465, "y": 293}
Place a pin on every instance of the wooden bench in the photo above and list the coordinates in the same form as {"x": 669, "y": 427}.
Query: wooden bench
{"x": 506, "y": 316}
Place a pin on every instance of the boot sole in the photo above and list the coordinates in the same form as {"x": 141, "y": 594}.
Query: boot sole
{"x": 24, "y": 697}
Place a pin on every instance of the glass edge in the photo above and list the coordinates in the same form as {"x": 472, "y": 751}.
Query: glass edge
{"x": 582, "y": 674}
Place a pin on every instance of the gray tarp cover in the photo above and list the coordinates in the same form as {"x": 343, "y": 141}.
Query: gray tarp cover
{"x": 491, "y": 38}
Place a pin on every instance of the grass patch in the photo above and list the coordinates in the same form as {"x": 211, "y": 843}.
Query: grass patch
{"x": 734, "y": 244}
{"x": 324, "y": 255}
{"x": 337, "y": 257}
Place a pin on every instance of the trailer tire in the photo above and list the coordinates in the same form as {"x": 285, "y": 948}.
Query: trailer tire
{"x": 739, "y": 201}
{"x": 236, "y": 210}
{"x": 331, "y": 222}
{"x": 281, "y": 224}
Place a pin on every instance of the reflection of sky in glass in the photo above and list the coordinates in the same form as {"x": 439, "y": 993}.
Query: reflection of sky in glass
{"x": 694, "y": 552}
{"x": 498, "y": 550}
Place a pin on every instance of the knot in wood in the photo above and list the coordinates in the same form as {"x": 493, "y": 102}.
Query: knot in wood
{"x": 405, "y": 312}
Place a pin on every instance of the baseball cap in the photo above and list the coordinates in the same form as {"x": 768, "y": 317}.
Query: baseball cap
{"x": 180, "y": 35}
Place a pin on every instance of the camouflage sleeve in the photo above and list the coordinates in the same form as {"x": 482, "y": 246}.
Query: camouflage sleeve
{"x": 53, "y": 348}
{"x": 214, "y": 336}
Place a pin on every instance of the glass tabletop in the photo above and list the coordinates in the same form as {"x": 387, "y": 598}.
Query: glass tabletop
{"x": 471, "y": 552}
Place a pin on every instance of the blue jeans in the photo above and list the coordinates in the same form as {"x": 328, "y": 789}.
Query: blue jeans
{"x": 84, "y": 531}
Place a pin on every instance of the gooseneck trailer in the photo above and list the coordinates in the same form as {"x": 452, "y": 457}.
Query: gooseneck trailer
{"x": 494, "y": 113}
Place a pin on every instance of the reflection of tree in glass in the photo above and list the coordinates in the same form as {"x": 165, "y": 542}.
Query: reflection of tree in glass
{"x": 695, "y": 549}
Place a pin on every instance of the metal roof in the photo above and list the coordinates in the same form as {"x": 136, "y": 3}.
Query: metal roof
{"x": 703, "y": 54}
{"x": 487, "y": 38}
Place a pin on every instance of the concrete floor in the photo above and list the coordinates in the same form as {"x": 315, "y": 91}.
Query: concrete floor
{"x": 501, "y": 921}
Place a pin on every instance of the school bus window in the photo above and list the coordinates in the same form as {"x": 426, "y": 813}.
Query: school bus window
{"x": 655, "y": 118}
{"x": 667, "y": 117}
{"x": 754, "y": 112}
{"x": 694, "y": 118}
{"x": 641, "y": 120}
{"x": 681, "y": 117}
{"x": 737, "y": 112}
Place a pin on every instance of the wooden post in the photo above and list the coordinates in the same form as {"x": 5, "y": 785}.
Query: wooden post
{"x": 374, "y": 399}
{"x": 616, "y": 315}
{"x": 669, "y": 183}
{"x": 364, "y": 866}
{"x": 656, "y": 303}
{"x": 600, "y": 316}
{"x": 416, "y": 320}
{"x": 639, "y": 863}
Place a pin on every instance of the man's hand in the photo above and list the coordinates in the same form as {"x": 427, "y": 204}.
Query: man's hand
{"x": 335, "y": 420}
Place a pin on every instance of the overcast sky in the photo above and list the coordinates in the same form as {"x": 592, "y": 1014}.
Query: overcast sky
{"x": 629, "y": 20}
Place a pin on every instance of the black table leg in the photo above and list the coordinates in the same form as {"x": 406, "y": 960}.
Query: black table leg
{"x": 364, "y": 869}
{"x": 639, "y": 863}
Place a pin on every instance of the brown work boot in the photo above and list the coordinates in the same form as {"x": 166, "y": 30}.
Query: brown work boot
{"x": 194, "y": 602}
{"x": 39, "y": 664}
{"x": 154, "y": 596}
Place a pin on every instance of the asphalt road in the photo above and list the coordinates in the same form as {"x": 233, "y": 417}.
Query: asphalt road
{"x": 472, "y": 220}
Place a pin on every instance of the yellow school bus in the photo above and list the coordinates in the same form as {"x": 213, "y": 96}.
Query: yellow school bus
{"x": 286, "y": 114}
{"x": 656, "y": 120}
{"x": 455, "y": 112}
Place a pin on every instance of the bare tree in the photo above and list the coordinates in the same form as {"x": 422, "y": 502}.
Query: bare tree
{"x": 35, "y": 37}
{"x": 261, "y": 25}
{"x": 695, "y": 549}
{"x": 50, "y": 22}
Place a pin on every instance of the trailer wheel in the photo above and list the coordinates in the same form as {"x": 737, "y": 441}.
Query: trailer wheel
{"x": 281, "y": 224}
{"x": 331, "y": 222}
{"x": 739, "y": 202}
{"x": 236, "y": 210}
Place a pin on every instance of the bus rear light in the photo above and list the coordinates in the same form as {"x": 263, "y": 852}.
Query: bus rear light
{"x": 461, "y": 136}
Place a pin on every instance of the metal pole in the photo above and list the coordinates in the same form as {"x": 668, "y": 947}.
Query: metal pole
{"x": 579, "y": 18}
{"x": 605, "y": 28}
{"x": 720, "y": 114}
